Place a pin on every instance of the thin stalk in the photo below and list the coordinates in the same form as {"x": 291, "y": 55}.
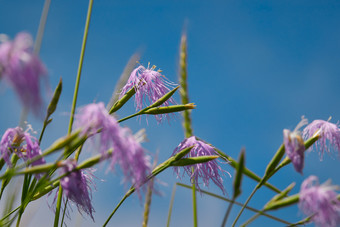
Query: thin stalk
{"x": 187, "y": 125}
{"x": 75, "y": 96}
{"x": 228, "y": 212}
{"x": 237, "y": 203}
{"x": 58, "y": 206}
{"x": 246, "y": 203}
{"x": 131, "y": 116}
{"x": 160, "y": 168}
{"x": 9, "y": 214}
{"x": 148, "y": 197}
{"x": 25, "y": 187}
{"x": 19, "y": 219}
{"x": 194, "y": 201}
{"x": 132, "y": 189}
{"x": 43, "y": 130}
{"x": 41, "y": 28}
{"x": 252, "y": 219}
{"x": 171, "y": 205}
{"x": 64, "y": 211}
{"x": 80, "y": 66}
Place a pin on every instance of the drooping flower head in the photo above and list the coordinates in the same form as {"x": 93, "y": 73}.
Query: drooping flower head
{"x": 93, "y": 118}
{"x": 133, "y": 160}
{"x": 77, "y": 186}
{"x": 294, "y": 145}
{"x": 329, "y": 135}
{"x": 22, "y": 70}
{"x": 127, "y": 152}
{"x": 150, "y": 85}
{"x": 21, "y": 143}
{"x": 202, "y": 171}
{"x": 320, "y": 201}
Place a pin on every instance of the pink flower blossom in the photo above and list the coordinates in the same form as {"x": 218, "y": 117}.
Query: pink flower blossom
{"x": 77, "y": 186}
{"x": 329, "y": 135}
{"x": 127, "y": 151}
{"x": 320, "y": 201}
{"x": 21, "y": 143}
{"x": 150, "y": 85}
{"x": 22, "y": 70}
{"x": 294, "y": 146}
{"x": 203, "y": 171}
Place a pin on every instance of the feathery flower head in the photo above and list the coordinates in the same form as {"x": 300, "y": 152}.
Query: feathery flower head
{"x": 94, "y": 117}
{"x": 132, "y": 159}
{"x": 150, "y": 85}
{"x": 22, "y": 143}
{"x": 320, "y": 201}
{"x": 22, "y": 69}
{"x": 76, "y": 186}
{"x": 294, "y": 145}
{"x": 127, "y": 152}
{"x": 329, "y": 135}
{"x": 205, "y": 171}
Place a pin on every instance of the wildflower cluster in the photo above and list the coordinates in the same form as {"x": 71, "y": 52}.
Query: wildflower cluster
{"x": 98, "y": 129}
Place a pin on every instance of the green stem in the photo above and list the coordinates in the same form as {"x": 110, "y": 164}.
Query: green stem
{"x": 252, "y": 219}
{"x": 19, "y": 218}
{"x": 43, "y": 130}
{"x": 228, "y": 212}
{"x": 171, "y": 205}
{"x": 58, "y": 206}
{"x": 75, "y": 96}
{"x": 80, "y": 66}
{"x": 41, "y": 28}
{"x": 64, "y": 212}
{"x": 160, "y": 168}
{"x": 187, "y": 126}
{"x": 237, "y": 203}
{"x": 132, "y": 189}
{"x": 131, "y": 116}
{"x": 9, "y": 214}
{"x": 246, "y": 171}
{"x": 194, "y": 201}
{"x": 246, "y": 203}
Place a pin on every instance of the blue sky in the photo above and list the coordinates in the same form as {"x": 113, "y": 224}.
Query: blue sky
{"x": 254, "y": 68}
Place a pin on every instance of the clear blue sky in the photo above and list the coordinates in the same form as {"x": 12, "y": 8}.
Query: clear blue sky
{"x": 254, "y": 67}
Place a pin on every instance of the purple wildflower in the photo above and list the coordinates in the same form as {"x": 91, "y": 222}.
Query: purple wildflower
{"x": 205, "y": 171}
{"x": 294, "y": 145}
{"x": 127, "y": 152}
{"x": 150, "y": 85}
{"x": 329, "y": 135}
{"x": 320, "y": 201}
{"x": 22, "y": 143}
{"x": 133, "y": 161}
{"x": 94, "y": 117}
{"x": 22, "y": 70}
{"x": 76, "y": 186}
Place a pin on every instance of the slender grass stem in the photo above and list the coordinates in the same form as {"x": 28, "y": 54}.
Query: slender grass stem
{"x": 75, "y": 97}
{"x": 58, "y": 206}
{"x": 171, "y": 205}
{"x": 228, "y": 212}
{"x": 253, "y": 218}
{"x": 120, "y": 203}
{"x": 80, "y": 66}
{"x": 41, "y": 29}
{"x": 238, "y": 204}
{"x": 64, "y": 212}
{"x": 194, "y": 202}
{"x": 246, "y": 203}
